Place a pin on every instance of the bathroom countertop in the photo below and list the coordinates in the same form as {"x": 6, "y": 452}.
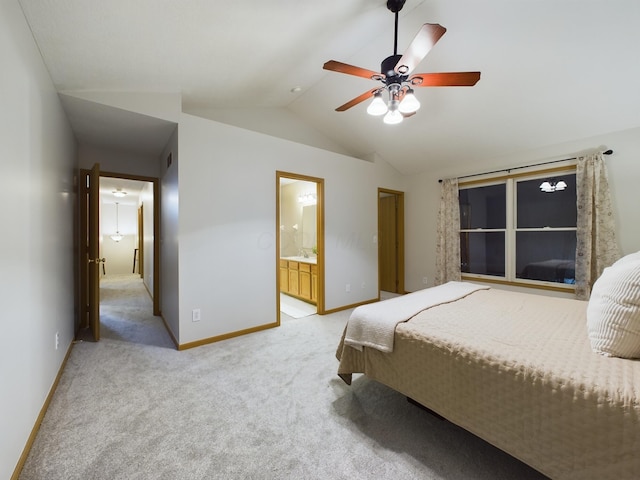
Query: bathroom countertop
{"x": 299, "y": 258}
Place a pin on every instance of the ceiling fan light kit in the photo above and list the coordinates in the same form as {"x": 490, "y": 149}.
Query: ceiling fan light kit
{"x": 409, "y": 103}
{"x": 395, "y": 74}
{"x": 377, "y": 107}
{"x": 394, "y": 116}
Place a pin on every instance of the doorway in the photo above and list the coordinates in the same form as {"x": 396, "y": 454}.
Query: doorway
{"x": 125, "y": 238}
{"x": 129, "y": 205}
{"x": 299, "y": 245}
{"x": 391, "y": 241}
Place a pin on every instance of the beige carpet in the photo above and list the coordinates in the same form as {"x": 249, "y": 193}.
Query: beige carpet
{"x": 263, "y": 406}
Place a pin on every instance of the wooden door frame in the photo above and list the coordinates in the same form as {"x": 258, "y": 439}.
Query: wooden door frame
{"x": 140, "y": 258}
{"x": 81, "y": 249}
{"x": 399, "y": 236}
{"x": 156, "y": 231}
{"x": 320, "y": 303}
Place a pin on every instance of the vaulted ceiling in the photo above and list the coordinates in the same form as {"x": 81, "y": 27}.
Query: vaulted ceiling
{"x": 552, "y": 70}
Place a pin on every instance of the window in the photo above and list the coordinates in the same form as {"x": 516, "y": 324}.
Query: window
{"x": 513, "y": 230}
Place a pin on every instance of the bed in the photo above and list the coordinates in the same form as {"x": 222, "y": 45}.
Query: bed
{"x": 519, "y": 371}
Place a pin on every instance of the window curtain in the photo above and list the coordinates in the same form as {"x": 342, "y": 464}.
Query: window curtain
{"x": 448, "y": 242}
{"x": 596, "y": 246}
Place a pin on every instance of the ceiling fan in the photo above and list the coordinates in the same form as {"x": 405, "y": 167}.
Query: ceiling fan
{"x": 395, "y": 74}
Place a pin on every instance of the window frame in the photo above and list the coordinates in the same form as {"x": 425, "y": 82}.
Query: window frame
{"x": 510, "y": 180}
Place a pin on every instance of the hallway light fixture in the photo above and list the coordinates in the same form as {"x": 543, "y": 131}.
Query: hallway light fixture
{"x": 119, "y": 193}
{"x": 117, "y": 237}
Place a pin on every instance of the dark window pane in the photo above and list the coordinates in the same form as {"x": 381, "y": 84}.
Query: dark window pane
{"x": 537, "y": 209}
{"x": 548, "y": 256}
{"x": 482, "y": 253}
{"x": 483, "y": 207}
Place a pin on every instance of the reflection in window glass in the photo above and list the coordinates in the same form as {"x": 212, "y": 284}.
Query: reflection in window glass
{"x": 482, "y": 253}
{"x": 547, "y": 256}
{"x": 483, "y": 207}
{"x": 538, "y": 209}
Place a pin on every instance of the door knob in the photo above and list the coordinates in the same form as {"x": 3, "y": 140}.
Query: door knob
{"x": 97, "y": 260}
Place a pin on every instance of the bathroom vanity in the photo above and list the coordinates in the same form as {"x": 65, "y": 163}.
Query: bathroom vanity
{"x": 299, "y": 278}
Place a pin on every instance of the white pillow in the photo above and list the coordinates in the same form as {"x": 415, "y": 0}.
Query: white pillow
{"x": 613, "y": 313}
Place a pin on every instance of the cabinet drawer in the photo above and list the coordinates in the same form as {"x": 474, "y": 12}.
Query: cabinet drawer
{"x": 283, "y": 263}
{"x": 293, "y": 265}
{"x": 314, "y": 269}
{"x": 305, "y": 267}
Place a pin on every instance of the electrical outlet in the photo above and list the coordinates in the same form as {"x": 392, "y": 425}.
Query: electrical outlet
{"x": 57, "y": 340}
{"x": 424, "y": 281}
{"x": 347, "y": 288}
{"x": 195, "y": 315}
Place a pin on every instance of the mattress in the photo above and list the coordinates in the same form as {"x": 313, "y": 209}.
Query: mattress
{"x": 518, "y": 371}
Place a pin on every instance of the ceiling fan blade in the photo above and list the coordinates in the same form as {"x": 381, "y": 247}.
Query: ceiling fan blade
{"x": 451, "y": 79}
{"x": 422, "y": 43}
{"x": 357, "y": 100}
{"x": 351, "y": 70}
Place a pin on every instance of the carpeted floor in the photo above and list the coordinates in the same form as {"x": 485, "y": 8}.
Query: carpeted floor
{"x": 263, "y": 406}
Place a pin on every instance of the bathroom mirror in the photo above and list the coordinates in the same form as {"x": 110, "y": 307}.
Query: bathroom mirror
{"x": 298, "y": 219}
{"x": 309, "y": 224}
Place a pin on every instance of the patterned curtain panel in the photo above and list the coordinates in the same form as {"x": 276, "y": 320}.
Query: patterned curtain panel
{"x": 596, "y": 246}
{"x": 448, "y": 242}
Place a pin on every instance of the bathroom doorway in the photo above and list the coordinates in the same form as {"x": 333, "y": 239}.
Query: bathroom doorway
{"x": 299, "y": 245}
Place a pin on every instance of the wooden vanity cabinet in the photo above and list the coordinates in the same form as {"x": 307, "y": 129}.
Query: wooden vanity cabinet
{"x": 284, "y": 276}
{"x": 299, "y": 279}
{"x": 293, "y": 278}
{"x": 304, "y": 281}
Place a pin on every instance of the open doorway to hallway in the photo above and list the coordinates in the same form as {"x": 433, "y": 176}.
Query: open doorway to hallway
{"x": 128, "y": 245}
{"x": 126, "y": 227}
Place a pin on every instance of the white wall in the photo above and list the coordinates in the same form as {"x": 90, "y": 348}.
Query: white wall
{"x": 115, "y": 161}
{"x": 36, "y": 248}
{"x": 277, "y": 122}
{"x": 169, "y": 202}
{"x": 227, "y": 224}
{"x": 424, "y": 194}
{"x": 163, "y": 105}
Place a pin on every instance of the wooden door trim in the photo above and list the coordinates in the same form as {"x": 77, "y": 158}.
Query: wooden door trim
{"x": 140, "y": 258}
{"x": 399, "y": 235}
{"x": 320, "y": 303}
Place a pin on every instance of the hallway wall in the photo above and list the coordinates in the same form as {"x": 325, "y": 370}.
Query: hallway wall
{"x": 36, "y": 247}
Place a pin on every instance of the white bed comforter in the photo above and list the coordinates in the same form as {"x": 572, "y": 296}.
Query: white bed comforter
{"x": 374, "y": 325}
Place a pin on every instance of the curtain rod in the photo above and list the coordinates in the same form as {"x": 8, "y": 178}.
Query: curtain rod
{"x": 606, "y": 152}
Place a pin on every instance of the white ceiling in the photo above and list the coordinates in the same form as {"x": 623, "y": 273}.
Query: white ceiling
{"x": 552, "y": 70}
